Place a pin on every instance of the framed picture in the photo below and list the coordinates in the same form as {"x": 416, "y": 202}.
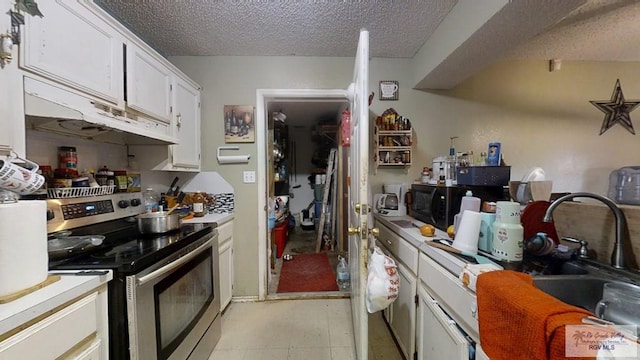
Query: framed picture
{"x": 389, "y": 90}
{"x": 239, "y": 126}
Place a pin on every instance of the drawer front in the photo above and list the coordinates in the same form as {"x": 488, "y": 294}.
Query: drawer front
{"x": 448, "y": 290}
{"x": 401, "y": 249}
{"x": 54, "y": 335}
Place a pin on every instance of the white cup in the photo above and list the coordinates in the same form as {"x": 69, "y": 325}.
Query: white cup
{"x": 20, "y": 180}
{"x": 388, "y": 89}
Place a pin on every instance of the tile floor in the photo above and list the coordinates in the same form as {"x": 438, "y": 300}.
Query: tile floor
{"x": 310, "y": 329}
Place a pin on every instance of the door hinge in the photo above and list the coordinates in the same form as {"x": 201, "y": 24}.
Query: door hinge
{"x": 417, "y": 300}
{"x": 415, "y": 355}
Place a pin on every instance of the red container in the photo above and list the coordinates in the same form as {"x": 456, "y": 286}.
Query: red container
{"x": 281, "y": 235}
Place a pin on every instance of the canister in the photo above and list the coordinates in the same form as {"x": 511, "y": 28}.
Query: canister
{"x": 67, "y": 157}
{"x": 508, "y": 241}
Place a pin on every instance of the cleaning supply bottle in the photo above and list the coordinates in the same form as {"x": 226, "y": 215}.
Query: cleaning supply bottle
{"x": 342, "y": 271}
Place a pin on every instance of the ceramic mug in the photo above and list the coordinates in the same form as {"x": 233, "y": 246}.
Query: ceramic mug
{"x": 19, "y": 179}
{"x": 619, "y": 304}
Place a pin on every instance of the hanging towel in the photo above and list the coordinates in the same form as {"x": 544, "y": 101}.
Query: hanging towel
{"x": 519, "y": 321}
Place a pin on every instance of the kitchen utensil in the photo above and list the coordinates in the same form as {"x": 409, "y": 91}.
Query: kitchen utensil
{"x": 60, "y": 248}
{"x": 178, "y": 203}
{"x": 539, "y": 244}
{"x": 158, "y": 222}
{"x": 173, "y": 183}
{"x": 479, "y": 258}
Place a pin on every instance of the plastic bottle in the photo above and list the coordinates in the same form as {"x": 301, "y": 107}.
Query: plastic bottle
{"x": 150, "y": 199}
{"x": 342, "y": 271}
{"x": 425, "y": 175}
{"x": 198, "y": 204}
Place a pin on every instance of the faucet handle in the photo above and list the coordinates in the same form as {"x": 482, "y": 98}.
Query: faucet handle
{"x": 583, "y": 251}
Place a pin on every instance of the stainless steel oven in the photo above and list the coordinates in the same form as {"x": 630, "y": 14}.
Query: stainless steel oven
{"x": 164, "y": 299}
{"x": 173, "y": 306}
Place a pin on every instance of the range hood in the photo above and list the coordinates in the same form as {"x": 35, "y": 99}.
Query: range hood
{"x": 54, "y": 109}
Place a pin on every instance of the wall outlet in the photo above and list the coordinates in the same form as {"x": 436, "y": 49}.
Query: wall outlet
{"x": 249, "y": 177}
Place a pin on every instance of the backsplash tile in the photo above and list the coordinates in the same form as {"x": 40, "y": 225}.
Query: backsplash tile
{"x": 224, "y": 203}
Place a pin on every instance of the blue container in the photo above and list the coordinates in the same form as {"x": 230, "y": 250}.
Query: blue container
{"x": 272, "y": 222}
{"x": 318, "y": 209}
{"x": 494, "y": 156}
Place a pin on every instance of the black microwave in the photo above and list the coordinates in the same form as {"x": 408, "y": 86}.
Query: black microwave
{"x": 437, "y": 205}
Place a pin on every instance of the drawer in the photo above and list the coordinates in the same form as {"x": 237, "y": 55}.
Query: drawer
{"x": 401, "y": 249}
{"x": 56, "y": 334}
{"x": 448, "y": 290}
{"x": 225, "y": 232}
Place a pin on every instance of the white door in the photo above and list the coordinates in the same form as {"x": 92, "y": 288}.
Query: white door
{"x": 358, "y": 188}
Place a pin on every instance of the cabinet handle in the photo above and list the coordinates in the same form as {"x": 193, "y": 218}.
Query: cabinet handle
{"x": 178, "y": 121}
{"x": 389, "y": 242}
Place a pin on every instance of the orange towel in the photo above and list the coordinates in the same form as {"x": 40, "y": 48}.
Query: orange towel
{"x": 519, "y": 321}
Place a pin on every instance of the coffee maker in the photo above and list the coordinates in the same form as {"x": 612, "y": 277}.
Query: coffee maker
{"x": 391, "y": 202}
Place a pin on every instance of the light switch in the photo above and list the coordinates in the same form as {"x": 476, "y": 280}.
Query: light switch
{"x": 249, "y": 177}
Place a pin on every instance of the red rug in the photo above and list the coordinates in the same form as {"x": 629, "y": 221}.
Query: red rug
{"x": 307, "y": 273}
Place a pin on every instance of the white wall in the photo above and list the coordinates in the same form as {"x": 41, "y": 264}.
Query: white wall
{"x": 543, "y": 119}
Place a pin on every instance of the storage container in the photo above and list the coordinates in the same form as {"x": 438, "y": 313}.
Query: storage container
{"x": 624, "y": 185}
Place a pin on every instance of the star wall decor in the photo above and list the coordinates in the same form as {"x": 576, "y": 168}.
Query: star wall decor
{"x": 616, "y": 110}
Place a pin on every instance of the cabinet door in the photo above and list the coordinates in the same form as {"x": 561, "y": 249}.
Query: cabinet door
{"x": 225, "y": 246}
{"x": 148, "y": 84}
{"x": 403, "y": 312}
{"x": 186, "y": 125}
{"x": 438, "y": 336}
{"x": 74, "y": 47}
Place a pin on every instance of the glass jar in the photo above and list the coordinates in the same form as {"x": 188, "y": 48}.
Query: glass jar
{"x": 198, "y": 204}
{"x": 67, "y": 157}
{"x": 121, "y": 180}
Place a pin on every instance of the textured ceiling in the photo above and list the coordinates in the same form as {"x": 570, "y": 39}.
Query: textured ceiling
{"x": 598, "y": 30}
{"x": 397, "y": 29}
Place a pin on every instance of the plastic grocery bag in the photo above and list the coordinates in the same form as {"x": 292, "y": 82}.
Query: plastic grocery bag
{"x": 383, "y": 281}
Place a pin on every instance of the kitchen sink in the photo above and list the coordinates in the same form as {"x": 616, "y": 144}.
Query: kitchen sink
{"x": 583, "y": 291}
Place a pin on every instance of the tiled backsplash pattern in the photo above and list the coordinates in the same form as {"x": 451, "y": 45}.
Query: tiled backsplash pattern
{"x": 223, "y": 204}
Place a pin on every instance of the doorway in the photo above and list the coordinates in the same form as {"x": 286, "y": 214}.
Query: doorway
{"x": 292, "y": 119}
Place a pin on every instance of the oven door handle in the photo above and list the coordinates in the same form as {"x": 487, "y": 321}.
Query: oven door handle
{"x": 175, "y": 264}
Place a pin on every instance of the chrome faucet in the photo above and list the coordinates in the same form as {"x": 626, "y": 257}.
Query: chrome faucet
{"x": 617, "y": 256}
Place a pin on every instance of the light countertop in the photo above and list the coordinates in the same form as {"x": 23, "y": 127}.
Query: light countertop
{"x": 24, "y": 309}
{"x": 217, "y": 219}
{"x": 412, "y": 234}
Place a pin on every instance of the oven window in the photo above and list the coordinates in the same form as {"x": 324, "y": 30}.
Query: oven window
{"x": 180, "y": 300}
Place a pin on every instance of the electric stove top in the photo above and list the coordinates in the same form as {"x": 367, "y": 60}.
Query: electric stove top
{"x": 125, "y": 250}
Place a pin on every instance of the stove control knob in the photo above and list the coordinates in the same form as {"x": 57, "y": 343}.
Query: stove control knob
{"x": 50, "y": 214}
{"x": 135, "y": 202}
{"x": 123, "y": 204}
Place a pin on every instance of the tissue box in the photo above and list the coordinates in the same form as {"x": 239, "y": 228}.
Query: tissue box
{"x": 484, "y": 175}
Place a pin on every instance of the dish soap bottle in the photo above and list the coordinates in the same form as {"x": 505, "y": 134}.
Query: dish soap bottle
{"x": 198, "y": 204}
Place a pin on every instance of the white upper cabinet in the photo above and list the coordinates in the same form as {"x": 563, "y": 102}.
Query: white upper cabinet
{"x": 73, "y": 46}
{"x": 148, "y": 83}
{"x": 186, "y": 124}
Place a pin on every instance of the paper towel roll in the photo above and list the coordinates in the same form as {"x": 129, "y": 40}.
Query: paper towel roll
{"x": 24, "y": 259}
{"x": 468, "y": 232}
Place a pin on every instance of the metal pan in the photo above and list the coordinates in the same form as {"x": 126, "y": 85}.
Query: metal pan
{"x": 158, "y": 222}
{"x": 63, "y": 247}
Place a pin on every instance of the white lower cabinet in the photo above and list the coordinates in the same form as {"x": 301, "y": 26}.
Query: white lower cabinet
{"x": 225, "y": 248}
{"x": 76, "y": 331}
{"x": 437, "y": 334}
{"x": 401, "y": 314}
